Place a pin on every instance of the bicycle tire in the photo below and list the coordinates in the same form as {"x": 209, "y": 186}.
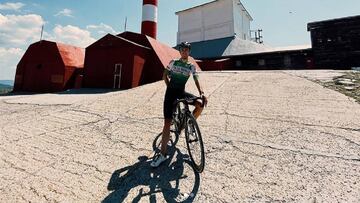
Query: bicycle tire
{"x": 198, "y": 165}
{"x": 178, "y": 120}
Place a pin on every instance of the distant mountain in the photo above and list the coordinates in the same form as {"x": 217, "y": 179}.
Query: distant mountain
{"x": 7, "y": 82}
{"x": 5, "y": 89}
{"x": 2, "y": 86}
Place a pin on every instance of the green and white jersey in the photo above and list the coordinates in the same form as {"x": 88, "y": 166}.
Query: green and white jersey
{"x": 179, "y": 72}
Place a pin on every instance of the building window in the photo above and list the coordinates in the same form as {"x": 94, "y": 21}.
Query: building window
{"x": 261, "y": 62}
{"x": 238, "y": 63}
{"x": 287, "y": 61}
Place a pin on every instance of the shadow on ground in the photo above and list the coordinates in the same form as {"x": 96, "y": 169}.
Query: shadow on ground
{"x": 166, "y": 179}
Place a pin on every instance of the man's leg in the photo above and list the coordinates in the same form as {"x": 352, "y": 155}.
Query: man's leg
{"x": 165, "y": 136}
{"x": 198, "y": 104}
{"x": 198, "y": 109}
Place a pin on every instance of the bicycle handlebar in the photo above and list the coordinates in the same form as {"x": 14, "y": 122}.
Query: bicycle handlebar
{"x": 189, "y": 100}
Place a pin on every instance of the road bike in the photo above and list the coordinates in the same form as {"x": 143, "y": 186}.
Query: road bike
{"x": 184, "y": 119}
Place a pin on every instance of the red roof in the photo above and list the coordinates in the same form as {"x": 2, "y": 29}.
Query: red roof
{"x": 71, "y": 55}
{"x": 164, "y": 52}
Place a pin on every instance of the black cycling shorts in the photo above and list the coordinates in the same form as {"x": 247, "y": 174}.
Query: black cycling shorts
{"x": 171, "y": 95}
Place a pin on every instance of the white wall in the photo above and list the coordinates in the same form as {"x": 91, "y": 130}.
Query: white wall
{"x": 241, "y": 21}
{"x": 216, "y": 20}
{"x": 190, "y": 26}
{"x": 211, "y": 21}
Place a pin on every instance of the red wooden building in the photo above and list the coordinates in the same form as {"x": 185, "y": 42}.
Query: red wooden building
{"x": 126, "y": 60}
{"x": 48, "y": 67}
{"x": 114, "y": 62}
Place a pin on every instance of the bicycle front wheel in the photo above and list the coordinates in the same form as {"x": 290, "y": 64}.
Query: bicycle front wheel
{"x": 194, "y": 143}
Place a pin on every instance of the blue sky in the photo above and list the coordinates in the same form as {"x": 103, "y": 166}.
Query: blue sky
{"x": 80, "y": 22}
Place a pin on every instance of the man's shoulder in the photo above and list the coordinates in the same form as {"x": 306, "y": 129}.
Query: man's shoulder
{"x": 182, "y": 63}
{"x": 175, "y": 60}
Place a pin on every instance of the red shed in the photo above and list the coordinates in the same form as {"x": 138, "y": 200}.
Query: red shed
{"x": 48, "y": 67}
{"x": 114, "y": 62}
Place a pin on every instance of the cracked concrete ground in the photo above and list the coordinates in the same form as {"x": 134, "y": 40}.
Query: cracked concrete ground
{"x": 270, "y": 136}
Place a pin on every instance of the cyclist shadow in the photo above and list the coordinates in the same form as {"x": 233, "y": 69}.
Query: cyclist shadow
{"x": 158, "y": 180}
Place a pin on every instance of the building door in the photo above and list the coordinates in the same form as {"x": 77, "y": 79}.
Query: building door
{"x": 117, "y": 76}
{"x": 19, "y": 78}
{"x": 287, "y": 61}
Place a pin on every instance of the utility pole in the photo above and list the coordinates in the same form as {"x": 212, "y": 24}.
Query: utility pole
{"x": 42, "y": 30}
{"x": 125, "y": 23}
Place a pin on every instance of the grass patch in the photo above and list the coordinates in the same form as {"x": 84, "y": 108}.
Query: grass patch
{"x": 348, "y": 84}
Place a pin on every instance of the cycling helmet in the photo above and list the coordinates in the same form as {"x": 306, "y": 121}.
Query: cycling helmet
{"x": 185, "y": 45}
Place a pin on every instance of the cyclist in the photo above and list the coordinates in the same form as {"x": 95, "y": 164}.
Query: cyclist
{"x": 175, "y": 76}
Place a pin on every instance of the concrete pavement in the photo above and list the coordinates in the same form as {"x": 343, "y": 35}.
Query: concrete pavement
{"x": 270, "y": 136}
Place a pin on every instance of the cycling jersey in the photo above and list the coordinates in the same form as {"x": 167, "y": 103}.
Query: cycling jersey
{"x": 179, "y": 73}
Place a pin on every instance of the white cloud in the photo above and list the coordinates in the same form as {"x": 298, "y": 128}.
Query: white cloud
{"x": 101, "y": 29}
{"x": 65, "y": 12}
{"x": 9, "y": 58}
{"x": 19, "y": 30}
{"x": 72, "y": 35}
{"x": 11, "y": 6}
{"x": 16, "y": 33}
{"x": 22, "y": 30}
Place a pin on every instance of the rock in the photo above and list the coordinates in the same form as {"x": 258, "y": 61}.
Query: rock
{"x": 349, "y": 88}
{"x": 344, "y": 82}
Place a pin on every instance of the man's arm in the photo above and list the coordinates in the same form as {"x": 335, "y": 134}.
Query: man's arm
{"x": 201, "y": 92}
{"x": 166, "y": 77}
{"x": 196, "y": 79}
{"x": 166, "y": 74}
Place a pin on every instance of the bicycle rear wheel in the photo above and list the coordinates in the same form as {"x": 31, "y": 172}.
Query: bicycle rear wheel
{"x": 194, "y": 143}
{"x": 177, "y": 119}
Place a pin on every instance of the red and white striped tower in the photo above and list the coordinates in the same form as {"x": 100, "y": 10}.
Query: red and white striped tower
{"x": 149, "y": 18}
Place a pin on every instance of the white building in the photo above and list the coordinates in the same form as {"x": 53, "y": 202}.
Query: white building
{"x": 214, "y": 20}
{"x": 216, "y": 29}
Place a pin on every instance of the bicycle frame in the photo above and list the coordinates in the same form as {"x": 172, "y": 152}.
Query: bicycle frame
{"x": 183, "y": 111}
